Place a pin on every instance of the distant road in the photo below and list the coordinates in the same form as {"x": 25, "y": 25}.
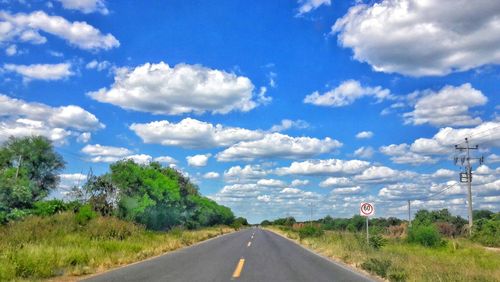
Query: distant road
{"x": 248, "y": 255}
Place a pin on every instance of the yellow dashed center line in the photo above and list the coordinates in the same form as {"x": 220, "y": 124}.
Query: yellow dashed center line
{"x": 239, "y": 268}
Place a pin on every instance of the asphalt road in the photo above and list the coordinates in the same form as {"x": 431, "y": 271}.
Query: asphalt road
{"x": 248, "y": 255}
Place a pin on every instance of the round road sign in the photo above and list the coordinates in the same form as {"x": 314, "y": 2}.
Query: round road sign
{"x": 366, "y": 209}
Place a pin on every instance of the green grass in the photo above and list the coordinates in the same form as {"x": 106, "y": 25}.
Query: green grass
{"x": 57, "y": 246}
{"x": 458, "y": 260}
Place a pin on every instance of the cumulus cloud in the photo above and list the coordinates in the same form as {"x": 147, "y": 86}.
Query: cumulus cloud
{"x": 41, "y": 71}
{"x": 98, "y": 65}
{"x": 271, "y": 183}
{"x": 182, "y": 89}
{"x": 306, "y": 6}
{"x": 108, "y": 154}
{"x": 278, "y": 145}
{"x": 192, "y": 133}
{"x": 298, "y": 182}
{"x": 419, "y": 38}
{"x": 346, "y": 93}
{"x": 140, "y": 158}
{"x": 243, "y": 174}
{"x": 324, "y": 167}
{"x": 27, "y": 27}
{"x": 288, "y": 124}
{"x": 364, "y": 152}
{"x": 402, "y": 154}
{"x": 70, "y": 180}
{"x": 84, "y": 137}
{"x": 382, "y": 174}
{"x": 336, "y": 182}
{"x": 211, "y": 175}
{"x": 364, "y": 135}
{"x": 448, "y": 107}
{"x": 85, "y": 6}
{"x": 21, "y": 118}
{"x": 198, "y": 160}
{"x": 165, "y": 159}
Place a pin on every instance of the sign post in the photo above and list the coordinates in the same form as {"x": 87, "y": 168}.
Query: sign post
{"x": 366, "y": 210}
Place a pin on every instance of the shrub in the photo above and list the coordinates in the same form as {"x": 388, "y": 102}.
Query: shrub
{"x": 377, "y": 241}
{"x": 425, "y": 235}
{"x": 377, "y": 266}
{"x": 397, "y": 275}
{"x": 85, "y": 214}
{"x": 46, "y": 208}
{"x": 487, "y": 232}
{"x": 310, "y": 231}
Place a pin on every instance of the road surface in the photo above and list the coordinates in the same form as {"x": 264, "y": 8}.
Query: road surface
{"x": 249, "y": 255}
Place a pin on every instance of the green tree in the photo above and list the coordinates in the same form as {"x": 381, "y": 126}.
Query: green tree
{"x": 36, "y": 156}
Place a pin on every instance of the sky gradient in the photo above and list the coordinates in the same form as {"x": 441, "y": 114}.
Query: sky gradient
{"x": 271, "y": 107}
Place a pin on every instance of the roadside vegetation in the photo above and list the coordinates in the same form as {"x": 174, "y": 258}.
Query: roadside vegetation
{"x": 130, "y": 213}
{"x": 435, "y": 248}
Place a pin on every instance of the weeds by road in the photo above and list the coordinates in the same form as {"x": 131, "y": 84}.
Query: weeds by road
{"x": 397, "y": 260}
{"x": 45, "y": 247}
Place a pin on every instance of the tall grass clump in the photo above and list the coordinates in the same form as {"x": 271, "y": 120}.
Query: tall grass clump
{"x": 425, "y": 235}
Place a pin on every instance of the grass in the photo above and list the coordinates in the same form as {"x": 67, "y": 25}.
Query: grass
{"x": 38, "y": 248}
{"x": 458, "y": 260}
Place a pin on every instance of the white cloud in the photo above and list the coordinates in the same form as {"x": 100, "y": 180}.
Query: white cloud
{"x": 70, "y": 180}
{"x": 448, "y": 107}
{"x": 166, "y": 160}
{"x": 11, "y": 50}
{"x": 108, "y": 154}
{"x": 493, "y": 158}
{"x": 444, "y": 173}
{"x": 290, "y": 191}
{"x": 161, "y": 89}
{"x": 324, "y": 167}
{"x": 346, "y": 93}
{"x": 401, "y": 154}
{"x": 382, "y": 174}
{"x": 98, "y": 65}
{"x": 298, "y": 182}
{"x": 41, "y": 71}
{"x": 85, "y": 6}
{"x": 364, "y": 152}
{"x": 140, "y": 159}
{"x": 84, "y": 137}
{"x": 288, "y": 124}
{"x": 211, "y": 175}
{"x": 192, "y": 133}
{"x": 264, "y": 198}
{"x": 198, "y": 160}
{"x": 347, "y": 190}
{"x": 336, "y": 182}
{"x": 277, "y": 145}
{"x": 271, "y": 183}
{"x": 21, "y": 118}
{"x": 307, "y": 6}
{"x": 26, "y": 27}
{"x": 420, "y": 38}
{"x": 242, "y": 174}
{"x": 364, "y": 135}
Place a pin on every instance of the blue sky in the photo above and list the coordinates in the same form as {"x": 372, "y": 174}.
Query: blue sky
{"x": 268, "y": 106}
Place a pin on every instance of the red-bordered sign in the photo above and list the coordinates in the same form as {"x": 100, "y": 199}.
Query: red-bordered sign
{"x": 366, "y": 209}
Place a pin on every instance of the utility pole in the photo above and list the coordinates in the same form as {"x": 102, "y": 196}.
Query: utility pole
{"x": 311, "y": 214}
{"x": 467, "y": 176}
{"x": 409, "y": 213}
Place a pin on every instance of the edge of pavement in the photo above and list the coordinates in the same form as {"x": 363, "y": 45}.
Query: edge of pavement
{"x": 83, "y": 277}
{"x": 348, "y": 267}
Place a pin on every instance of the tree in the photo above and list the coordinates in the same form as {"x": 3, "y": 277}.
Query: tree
{"x": 101, "y": 194}
{"x": 35, "y": 155}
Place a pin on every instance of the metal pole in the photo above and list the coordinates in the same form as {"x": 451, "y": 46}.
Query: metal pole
{"x": 469, "y": 186}
{"x": 367, "y": 236}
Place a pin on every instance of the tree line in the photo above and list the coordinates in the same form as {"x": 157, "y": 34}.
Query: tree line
{"x": 154, "y": 196}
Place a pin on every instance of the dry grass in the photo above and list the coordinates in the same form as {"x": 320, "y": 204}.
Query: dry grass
{"x": 40, "y": 248}
{"x": 459, "y": 260}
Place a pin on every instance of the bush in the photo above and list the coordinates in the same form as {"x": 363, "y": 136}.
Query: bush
{"x": 487, "y": 232}
{"x": 377, "y": 241}
{"x": 46, "y": 208}
{"x": 310, "y": 231}
{"x": 379, "y": 267}
{"x": 85, "y": 214}
{"x": 425, "y": 235}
